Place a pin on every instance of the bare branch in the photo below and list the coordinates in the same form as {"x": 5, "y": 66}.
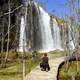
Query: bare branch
{"x": 11, "y": 11}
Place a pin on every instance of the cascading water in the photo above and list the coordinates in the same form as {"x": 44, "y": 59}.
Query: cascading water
{"x": 46, "y": 35}
{"x": 38, "y": 32}
{"x": 56, "y": 35}
{"x": 22, "y": 39}
{"x": 71, "y": 43}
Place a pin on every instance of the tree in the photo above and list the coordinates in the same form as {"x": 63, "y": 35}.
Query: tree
{"x": 8, "y": 40}
{"x": 73, "y": 6}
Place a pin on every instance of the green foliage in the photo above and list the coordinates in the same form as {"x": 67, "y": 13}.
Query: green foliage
{"x": 13, "y": 71}
{"x": 57, "y": 53}
{"x": 72, "y": 71}
{"x": 61, "y": 21}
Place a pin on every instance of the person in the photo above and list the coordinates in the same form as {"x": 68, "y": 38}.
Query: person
{"x": 44, "y": 65}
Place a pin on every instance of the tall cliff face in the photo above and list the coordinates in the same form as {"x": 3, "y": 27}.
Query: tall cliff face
{"x": 39, "y": 31}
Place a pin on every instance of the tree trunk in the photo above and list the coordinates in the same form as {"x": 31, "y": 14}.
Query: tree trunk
{"x": 2, "y": 45}
{"x": 24, "y": 62}
{"x": 6, "y": 56}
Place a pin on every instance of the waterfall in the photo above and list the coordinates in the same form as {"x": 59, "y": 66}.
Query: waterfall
{"x": 22, "y": 39}
{"x": 56, "y": 35}
{"x": 71, "y": 37}
{"x": 46, "y": 35}
{"x": 38, "y": 32}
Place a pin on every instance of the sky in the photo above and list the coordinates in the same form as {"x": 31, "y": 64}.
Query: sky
{"x": 56, "y": 7}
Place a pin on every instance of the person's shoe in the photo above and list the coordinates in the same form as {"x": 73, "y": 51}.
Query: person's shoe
{"x": 47, "y": 70}
{"x": 42, "y": 69}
